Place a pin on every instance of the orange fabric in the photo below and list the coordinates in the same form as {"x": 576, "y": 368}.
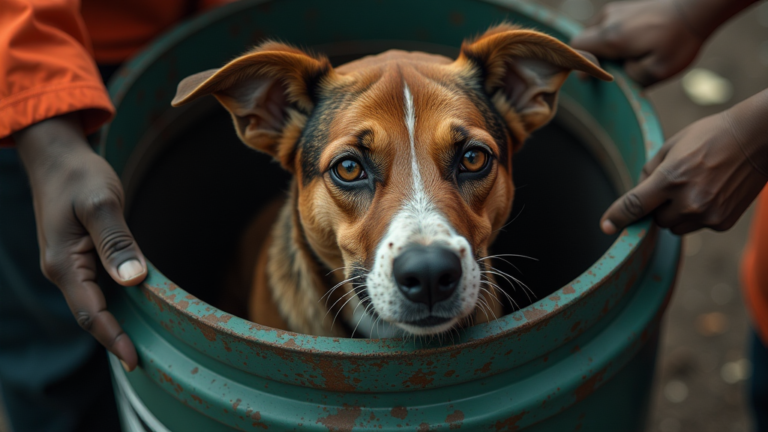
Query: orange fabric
{"x": 120, "y": 28}
{"x": 47, "y": 63}
{"x": 46, "y": 67}
{"x": 754, "y": 268}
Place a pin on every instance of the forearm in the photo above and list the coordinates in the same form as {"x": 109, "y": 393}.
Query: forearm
{"x": 748, "y": 121}
{"x": 703, "y": 17}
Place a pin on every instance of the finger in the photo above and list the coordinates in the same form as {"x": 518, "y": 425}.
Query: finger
{"x": 605, "y": 41}
{"x": 583, "y": 76}
{"x": 646, "y": 70}
{"x": 589, "y": 56}
{"x": 592, "y": 40}
{"x": 656, "y": 160}
{"x": 635, "y": 204}
{"x": 103, "y": 217}
{"x": 86, "y": 301}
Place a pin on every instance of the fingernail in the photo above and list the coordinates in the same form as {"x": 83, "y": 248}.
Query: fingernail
{"x": 125, "y": 366}
{"x": 129, "y": 270}
{"x": 608, "y": 227}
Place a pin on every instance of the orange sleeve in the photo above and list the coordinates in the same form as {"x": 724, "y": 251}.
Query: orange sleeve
{"x": 46, "y": 66}
{"x": 754, "y": 268}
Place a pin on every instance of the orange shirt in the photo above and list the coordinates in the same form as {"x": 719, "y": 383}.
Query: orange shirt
{"x": 48, "y": 48}
{"x": 754, "y": 269}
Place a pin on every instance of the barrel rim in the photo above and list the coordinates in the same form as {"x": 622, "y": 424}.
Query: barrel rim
{"x": 631, "y": 240}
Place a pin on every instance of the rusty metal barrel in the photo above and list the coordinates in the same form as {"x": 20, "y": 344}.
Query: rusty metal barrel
{"x": 577, "y": 355}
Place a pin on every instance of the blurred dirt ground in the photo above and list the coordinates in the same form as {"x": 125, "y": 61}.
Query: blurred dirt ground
{"x": 703, "y": 367}
{"x": 703, "y": 364}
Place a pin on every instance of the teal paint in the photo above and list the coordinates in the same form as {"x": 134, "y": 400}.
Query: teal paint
{"x": 579, "y": 359}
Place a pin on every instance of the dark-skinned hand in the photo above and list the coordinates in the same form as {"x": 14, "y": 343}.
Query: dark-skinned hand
{"x": 652, "y": 36}
{"x": 703, "y": 177}
{"x": 78, "y": 202}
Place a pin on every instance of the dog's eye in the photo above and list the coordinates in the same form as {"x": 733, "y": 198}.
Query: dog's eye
{"x": 473, "y": 160}
{"x": 349, "y": 170}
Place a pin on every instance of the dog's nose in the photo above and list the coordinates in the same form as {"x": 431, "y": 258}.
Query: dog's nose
{"x": 427, "y": 274}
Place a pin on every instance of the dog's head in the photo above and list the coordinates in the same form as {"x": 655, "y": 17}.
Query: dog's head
{"x": 402, "y": 160}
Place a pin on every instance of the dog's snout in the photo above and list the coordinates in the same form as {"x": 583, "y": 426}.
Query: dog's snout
{"x": 427, "y": 274}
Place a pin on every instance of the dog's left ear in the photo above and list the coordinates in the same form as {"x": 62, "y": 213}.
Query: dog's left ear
{"x": 269, "y": 91}
{"x": 522, "y": 71}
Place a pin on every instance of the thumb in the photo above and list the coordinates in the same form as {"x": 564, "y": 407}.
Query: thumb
{"x": 117, "y": 249}
{"x": 635, "y": 204}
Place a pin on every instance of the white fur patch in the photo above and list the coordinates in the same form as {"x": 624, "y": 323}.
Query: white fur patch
{"x": 419, "y": 221}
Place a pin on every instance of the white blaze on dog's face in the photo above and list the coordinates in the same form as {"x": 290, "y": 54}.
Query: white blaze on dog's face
{"x": 424, "y": 276}
{"x": 402, "y": 160}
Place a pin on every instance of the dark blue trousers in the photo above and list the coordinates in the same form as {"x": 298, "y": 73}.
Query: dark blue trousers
{"x": 758, "y": 388}
{"x": 53, "y": 375}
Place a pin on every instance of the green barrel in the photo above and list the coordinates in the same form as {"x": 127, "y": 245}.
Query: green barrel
{"x": 579, "y": 356}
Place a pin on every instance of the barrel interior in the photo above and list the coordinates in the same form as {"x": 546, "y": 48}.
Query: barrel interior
{"x": 194, "y": 188}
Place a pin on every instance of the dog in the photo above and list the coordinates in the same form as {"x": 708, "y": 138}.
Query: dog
{"x": 402, "y": 173}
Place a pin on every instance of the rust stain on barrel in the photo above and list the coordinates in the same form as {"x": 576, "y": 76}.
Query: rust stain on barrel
{"x": 485, "y": 369}
{"x": 420, "y": 379}
{"x": 590, "y": 385}
{"x": 332, "y": 374}
{"x": 343, "y": 420}
{"x": 148, "y": 293}
{"x": 575, "y": 326}
{"x": 510, "y": 424}
{"x": 399, "y": 412}
{"x": 290, "y": 343}
{"x": 455, "y": 420}
{"x": 205, "y": 324}
{"x": 533, "y": 313}
{"x": 208, "y": 332}
{"x": 256, "y": 416}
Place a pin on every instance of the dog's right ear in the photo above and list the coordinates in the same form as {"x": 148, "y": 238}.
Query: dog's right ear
{"x": 269, "y": 91}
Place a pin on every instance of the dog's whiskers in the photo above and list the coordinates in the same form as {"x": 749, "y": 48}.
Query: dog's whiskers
{"x": 328, "y": 294}
{"x": 492, "y": 295}
{"x": 513, "y": 219}
{"x": 507, "y": 255}
{"x": 502, "y": 275}
{"x": 341, "y": 308}
{"x": 506, "y": 294}
{"x": 365, "y": 311}
{"x": 340, "y": 298}
{"x": 525, "y": 287}
{"x": 352, "y": 267}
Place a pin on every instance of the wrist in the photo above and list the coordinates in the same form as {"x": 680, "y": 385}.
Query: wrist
{"x": 51, "y": 145}
{"x": 746, "y": 122}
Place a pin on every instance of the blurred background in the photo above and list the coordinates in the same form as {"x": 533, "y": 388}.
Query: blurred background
{"x": 703, "y": 365}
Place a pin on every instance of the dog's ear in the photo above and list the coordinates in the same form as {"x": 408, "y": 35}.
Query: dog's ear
{"x": 269, "y": 91}
{"x": 522, "y": 71}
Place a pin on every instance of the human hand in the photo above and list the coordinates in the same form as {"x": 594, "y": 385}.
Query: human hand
{"x": 653, "y": 37}
{"x": 701, "y": 177}
{"x": 78, "y": 202}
